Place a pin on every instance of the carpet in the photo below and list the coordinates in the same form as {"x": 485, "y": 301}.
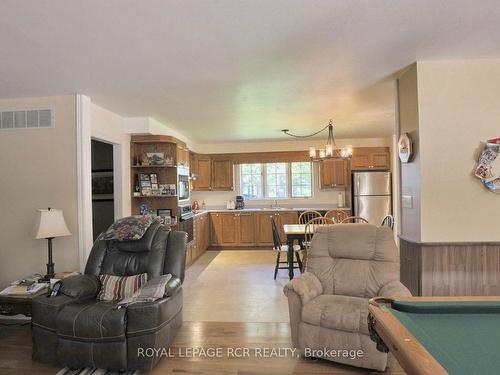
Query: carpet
{"x": 94, "y": 371}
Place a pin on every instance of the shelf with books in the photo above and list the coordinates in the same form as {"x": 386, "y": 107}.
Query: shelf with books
{"x": 153, "y": 165}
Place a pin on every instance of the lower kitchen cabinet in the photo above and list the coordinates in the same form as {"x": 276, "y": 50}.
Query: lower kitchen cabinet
{"x": 232, "y": 229}
{"x": 201, "y": 241}
{"x": 229, "y": 230}
{"x": 286, "y": 218}
{"x": 264, "y": 228}
{"x": 246, "y": 229}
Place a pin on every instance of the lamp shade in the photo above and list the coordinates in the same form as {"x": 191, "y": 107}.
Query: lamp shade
{"x": 50, "y": 223}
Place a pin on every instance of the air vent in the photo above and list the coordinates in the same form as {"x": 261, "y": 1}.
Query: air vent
{"x": 27, "y": 119}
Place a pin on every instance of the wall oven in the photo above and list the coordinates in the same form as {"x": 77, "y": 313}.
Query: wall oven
{"x": 183, "y": 183}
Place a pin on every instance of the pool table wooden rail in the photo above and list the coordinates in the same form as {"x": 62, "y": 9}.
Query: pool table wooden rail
{"x": 411, "y": 355}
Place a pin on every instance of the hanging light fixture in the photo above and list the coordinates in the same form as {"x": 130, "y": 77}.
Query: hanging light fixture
{"x": 331, "y": 151}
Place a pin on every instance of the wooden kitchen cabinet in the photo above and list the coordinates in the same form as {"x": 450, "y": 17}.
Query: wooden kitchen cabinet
{"x": 291, "y": 217}
{"x": 334, "y": 173}
{"x": 366, "y": 158}
{"x": 264, "y": 235}
{"x": 212, "y": 173}
{"x": 182, "y": 156}
{"x": 222, "y": 175}
{"x": 233, "y": 229}
{"x": 246, "y": 229}
{"x": 215, "y": 229}
{"x": 264, "y": 230}
{"x": 201, "y": 235}
{"x": 202, "y": 170}
{"x": 229, "y": 229}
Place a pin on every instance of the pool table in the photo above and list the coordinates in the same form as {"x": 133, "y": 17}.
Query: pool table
{"x": 439, "y": 335}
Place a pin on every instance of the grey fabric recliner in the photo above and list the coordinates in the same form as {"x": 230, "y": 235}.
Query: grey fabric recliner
{"x": 74, "y": 329}
{"x": 348, "y": 264}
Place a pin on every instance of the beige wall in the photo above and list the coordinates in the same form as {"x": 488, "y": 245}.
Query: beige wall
{"x": 410, "y": 172}
{"x": 458, "y": 109}
{"x": 38, "y": 169}
{"x": 449, "y": 108}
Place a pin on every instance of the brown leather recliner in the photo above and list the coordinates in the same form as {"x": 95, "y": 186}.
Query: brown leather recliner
{"x": 74, "y": 329}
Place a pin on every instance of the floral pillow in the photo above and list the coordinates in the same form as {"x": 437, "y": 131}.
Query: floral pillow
{"x": 128, "y": 228}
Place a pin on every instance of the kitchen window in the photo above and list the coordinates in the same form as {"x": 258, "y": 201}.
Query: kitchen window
{"x": 251, "y": 181}
{"x": 276, "y": 180}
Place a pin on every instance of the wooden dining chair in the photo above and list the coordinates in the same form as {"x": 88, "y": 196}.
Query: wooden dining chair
{"x": 337, "y": 215}
{"x": 305, "y": 216}
{"x": 354, "y": 219}
{"x": 309, "y": 233}
{"x": 279, "y": 248}
{"x": 388, "y": 221}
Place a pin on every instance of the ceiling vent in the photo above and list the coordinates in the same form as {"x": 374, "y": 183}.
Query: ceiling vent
{"x": 27, "y": 119}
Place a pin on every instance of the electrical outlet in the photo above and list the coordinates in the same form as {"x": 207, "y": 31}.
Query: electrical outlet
{"x": 407, "y": 201}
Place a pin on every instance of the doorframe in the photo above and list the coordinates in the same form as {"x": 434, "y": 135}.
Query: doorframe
{"x": 117, "y": 174}
{"x": 84, "y": 136}
{"x": 84, "y": 178}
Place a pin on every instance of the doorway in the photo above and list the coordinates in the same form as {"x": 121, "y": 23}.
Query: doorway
{"x": 103, "y": 199}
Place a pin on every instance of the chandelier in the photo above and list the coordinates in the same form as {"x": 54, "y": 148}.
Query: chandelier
{"x": 331, "y": 151}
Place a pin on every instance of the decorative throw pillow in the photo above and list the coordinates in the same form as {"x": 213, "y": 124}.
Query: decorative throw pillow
{"x": 116, "y": 288}
{"x": 128, "y": 228}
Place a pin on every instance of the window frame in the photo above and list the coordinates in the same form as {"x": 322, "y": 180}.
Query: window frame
{"x": 264, "y": 196}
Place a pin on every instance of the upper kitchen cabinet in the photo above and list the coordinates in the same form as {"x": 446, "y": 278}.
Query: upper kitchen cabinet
{"x": 366, "y": 158}
{"x": 202, "y": 171}
{"x": 334, "y": 173}
{"x": 212, "y": 173}
{"x": 222, "y": 174}
{"x": 182, "y": 155}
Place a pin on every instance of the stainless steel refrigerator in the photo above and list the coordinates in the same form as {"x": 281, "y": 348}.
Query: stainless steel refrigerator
{"x": 371, "y": 193}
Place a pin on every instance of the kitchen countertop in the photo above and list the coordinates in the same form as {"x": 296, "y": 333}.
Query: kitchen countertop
{"x": 255, "y": 209}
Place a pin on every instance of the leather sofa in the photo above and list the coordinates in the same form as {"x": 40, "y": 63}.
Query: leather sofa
{"x": 74, "y": 329}
{"x": 328, "y": 305}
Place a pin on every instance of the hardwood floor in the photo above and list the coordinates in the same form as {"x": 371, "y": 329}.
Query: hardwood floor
{"x": 217, "y": 314}
{"x": 15, "y": 352}
{"x": 235, "y": 286}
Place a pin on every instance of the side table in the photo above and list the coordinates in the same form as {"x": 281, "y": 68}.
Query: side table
{"x": 16, "y": 304}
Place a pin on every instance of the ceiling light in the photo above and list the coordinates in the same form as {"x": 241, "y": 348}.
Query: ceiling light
{"x": 331, "y": 151}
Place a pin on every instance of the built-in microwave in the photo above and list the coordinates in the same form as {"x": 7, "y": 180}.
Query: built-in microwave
{"x": 183, "y": 183}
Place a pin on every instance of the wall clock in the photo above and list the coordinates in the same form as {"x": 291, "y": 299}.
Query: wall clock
{"x": 405, "y": 148}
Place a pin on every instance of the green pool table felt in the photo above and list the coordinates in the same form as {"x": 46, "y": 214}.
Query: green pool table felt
{"x": 464, "y": 337}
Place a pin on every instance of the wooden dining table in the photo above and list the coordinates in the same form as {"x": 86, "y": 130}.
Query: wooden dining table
{"x": 296, "y": 232}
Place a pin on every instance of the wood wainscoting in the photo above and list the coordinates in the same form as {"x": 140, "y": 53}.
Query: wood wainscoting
{"x": 450, "y": 269}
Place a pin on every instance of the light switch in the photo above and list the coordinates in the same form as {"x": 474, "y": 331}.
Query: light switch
{"x": 407, "y": 201}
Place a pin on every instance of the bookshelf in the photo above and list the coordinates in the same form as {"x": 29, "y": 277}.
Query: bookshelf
{"x": 165, "y": 172}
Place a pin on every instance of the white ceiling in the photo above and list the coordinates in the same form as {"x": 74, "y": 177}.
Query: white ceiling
{"x": 237, "y": 70}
